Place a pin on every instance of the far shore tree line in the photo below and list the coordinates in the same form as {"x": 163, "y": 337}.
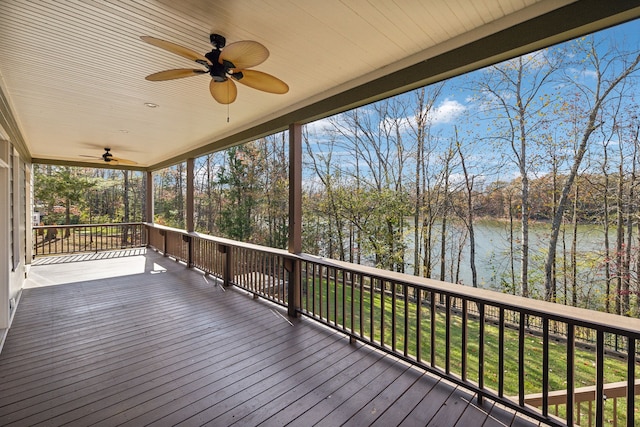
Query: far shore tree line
{"x": 401, "y": 184}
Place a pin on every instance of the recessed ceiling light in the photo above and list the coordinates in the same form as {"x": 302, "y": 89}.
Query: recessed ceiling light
{"x": 151, "y": 105}
{"x": 123, "y": 131}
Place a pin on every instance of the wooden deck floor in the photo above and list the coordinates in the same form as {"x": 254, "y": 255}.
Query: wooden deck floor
{"x": 141, "y": 340}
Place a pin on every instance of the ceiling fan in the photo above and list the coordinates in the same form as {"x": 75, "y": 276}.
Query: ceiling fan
{"x": 107, "y": 157}
{"x": 225, "y": 65}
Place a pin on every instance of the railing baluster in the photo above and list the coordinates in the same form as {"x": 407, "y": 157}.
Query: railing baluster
{"x": 432, "y": 337}
{"x": 501, "y": 353}
{"x": 578, "y": 415}
{"x": 382, "y": 310}
{"x": 600, "y": 379}
{"x": 447, "y": 335}
{"x": 321, "y": 290}
{"x": 361, "y": 313}
{"x": 352, "y": 316}
{"x": 308, "y": 289}
{"x": 545, "y": 366}
{"x": 405, "y": 291}
{"x": 328, "y": 298}
{"x": 419, "y": 325}
{"x": 463, "y": 340}
{"x": 335, "y": 296}
{"x": 371, "y": 309}
{"x": 344, "y": 300}
{"x": 521, "y": 356}
{"x": 481, "y": 324}
{"x": 570, "y": 376}
{"x": 631, "y": 379}
{"x": 313, "y": 286}
{"x": 394, "y": 316}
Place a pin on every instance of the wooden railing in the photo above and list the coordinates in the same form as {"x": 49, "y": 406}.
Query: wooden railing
{"x": 478, "y": 339}
{"x": 68, "y": 239}
{"x": 262, "y": 271}
{"x": 584, "y": 398}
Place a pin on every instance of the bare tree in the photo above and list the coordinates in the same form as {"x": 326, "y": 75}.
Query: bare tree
{"x": 514, "y": 92}
{"x": 425, "y": 100}
{"x": 468, "y": 182}
{"x": 608, "y": 78}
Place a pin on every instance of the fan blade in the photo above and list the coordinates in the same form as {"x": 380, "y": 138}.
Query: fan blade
{"x": 224, "y": 92}
{"x": 122, "y": 161}
{"x": 174, "y": 48}
{"x": 262, "y": 81}
{"x": 174, "y": 74}
{"x": 244, "y": 54}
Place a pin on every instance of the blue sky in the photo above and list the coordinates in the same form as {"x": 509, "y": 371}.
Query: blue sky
{"x": 460, "y": 106}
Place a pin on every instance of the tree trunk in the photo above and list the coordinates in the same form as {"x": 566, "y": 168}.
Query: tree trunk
{"x": 512, "y": 251}
{"x": 620, "y": 309}
{"x": 626, "y": 268}
{"x": 607, "y": 250}
{"x": 574, "y": 248}
{"x": 472, "y": 240}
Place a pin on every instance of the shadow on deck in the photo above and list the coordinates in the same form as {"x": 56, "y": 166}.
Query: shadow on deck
{"x": 142, "y": 340}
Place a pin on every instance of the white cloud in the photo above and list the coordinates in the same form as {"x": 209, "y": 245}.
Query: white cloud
{"x": 448, "y": 111}
{"x": 582, "y": 74}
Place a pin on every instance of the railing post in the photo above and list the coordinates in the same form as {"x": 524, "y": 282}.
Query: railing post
{"x": 600, "y": 396}
{"x": 163, "y": 233}
{"x": 189, "y": 241}
{"x": 293, "y": 286}
{"x": 227, "y": 274}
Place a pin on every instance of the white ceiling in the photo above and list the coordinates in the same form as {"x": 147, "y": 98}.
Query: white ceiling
{"x": 72, "y": 72}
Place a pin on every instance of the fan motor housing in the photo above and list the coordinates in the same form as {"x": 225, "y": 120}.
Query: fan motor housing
{"x": 107, "y": 155}
{"x": 217, "y": 71}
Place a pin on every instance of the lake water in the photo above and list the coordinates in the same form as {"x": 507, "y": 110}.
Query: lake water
{"x": 492, "y": 251}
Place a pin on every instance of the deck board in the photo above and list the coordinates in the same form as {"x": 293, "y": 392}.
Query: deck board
{"x": 141, "y": 340}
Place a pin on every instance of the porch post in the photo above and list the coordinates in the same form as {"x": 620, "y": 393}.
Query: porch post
{"x": 148, "y": 212}
{"x": 295, "y": 216}
{"x": 190, "y": 212}
{"x": 148, "y": 205}
{"x": 295, "y": 188}
{"x": 190, "y": 166}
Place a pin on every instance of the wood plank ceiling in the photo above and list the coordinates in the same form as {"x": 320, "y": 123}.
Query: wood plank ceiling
{"x": 72, "y": 73}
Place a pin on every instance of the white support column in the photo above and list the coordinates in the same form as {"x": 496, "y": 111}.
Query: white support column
{"x": 5, "y": 224}
{"x": 28, "y": 213}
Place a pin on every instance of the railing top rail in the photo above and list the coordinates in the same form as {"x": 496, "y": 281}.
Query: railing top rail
{"x": 228, "y": 242}
{"x": 111, "y": 224}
